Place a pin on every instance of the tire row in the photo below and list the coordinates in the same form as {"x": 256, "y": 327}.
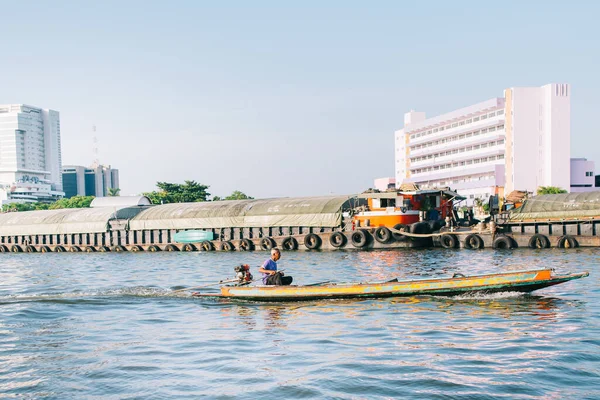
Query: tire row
{"x": 503, "y": 242}
{"x": 359, "y": 239}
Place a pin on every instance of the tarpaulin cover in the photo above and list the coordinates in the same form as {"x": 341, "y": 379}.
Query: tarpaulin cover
{"x": 66, "y": 220}
{"x": 300, "y": 211}
{"x": 556, "y": 206}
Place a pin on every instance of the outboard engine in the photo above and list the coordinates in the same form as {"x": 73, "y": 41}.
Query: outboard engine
{"x": 242, "y": 273}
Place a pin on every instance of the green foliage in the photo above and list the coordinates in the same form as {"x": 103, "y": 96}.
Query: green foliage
{"x": 113, "y": 191}
{"x": 237, "y": 195}
{"x": 478, "y": 202}
{"x": 14, "y": 207}
{"x": 189, "y": 192}
{"x": 486, "y": 207}
{"x": 73, "y": 202}
{"x": 550, "y": 190}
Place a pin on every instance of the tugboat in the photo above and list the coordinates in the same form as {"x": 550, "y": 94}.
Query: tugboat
{"x": 405, "y": 206}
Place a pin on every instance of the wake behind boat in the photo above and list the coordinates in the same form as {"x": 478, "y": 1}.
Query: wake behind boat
{"x": 521, "y": 281}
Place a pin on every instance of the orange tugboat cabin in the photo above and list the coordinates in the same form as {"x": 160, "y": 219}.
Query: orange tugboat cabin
{"x": 405, "y": 207}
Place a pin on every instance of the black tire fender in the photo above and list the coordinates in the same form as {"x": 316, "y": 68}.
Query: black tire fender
{"x": 449, "y": 241}
{"x": 312, "y": 241}
{"x": 153, "y": 248}
{"x": 30, "y": 249}
{"x": 207, "y": 245}
{"x": 226, "y": 246}
{"x": 420, "y": 228}
{"x": 360, "y": 238}
{"x": 567, "y": 242}
{"x": 338, "y": 239}
{"x": 246, "y": 245}
{"x": 539, "y": 241}
{"x": 267, "y": 243}
{"x": 503, "y": 242}
{"x": 290, "y": 243}
{"x": 383, "y": 235}
{"x": 188, "y": 247}
{"x": 473, "y": 241}
{"x": 45, "y": 249}
{"x": 59, "y": 249}
{"x": 74, "y": 249}
{"x": 398, "y": 236}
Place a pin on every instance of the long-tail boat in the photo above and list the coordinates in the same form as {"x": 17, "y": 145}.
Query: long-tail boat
{"x": 520, "y": 281}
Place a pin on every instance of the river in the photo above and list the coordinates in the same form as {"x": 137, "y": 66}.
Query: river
{"x": 108, "y": 326}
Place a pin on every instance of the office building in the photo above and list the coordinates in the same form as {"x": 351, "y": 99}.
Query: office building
{"x": 30, "y": 154}
{"x": 512, "y": 143}
{"x": 89, "y": 181}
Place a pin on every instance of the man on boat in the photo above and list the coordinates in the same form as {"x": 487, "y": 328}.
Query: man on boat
{"x": 269, "y": 270}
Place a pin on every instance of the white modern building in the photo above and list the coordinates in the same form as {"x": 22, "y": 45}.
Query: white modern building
{"x": 30, "y": 154}
{"x": 582, "y": 175}
{"x": 510, "y": 142}
{"x": 89, "y": 181}
{"x": 538, "y": 137}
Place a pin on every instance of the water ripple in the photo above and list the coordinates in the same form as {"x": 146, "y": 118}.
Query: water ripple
{"x": 111, "y": 326}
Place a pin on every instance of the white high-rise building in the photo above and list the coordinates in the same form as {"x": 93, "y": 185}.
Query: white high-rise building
{"x": 521, "y": 141}
{"x": 30, "y": 154}
{"x": 538, "y": 137}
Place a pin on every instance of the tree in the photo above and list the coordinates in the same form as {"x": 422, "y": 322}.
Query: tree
{"x": 73, "y": 202}
{"x": 189, "y": 192}
{"x": 550, "y": 190}
{"x": 113, "y": 191}
{"x": 237, "y": 195}
{"x": 15, "y": 207}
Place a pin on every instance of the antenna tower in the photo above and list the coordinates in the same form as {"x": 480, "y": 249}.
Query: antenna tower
{"x": 96, "y": 162}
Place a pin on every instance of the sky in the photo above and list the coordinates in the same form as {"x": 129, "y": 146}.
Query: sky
{"x": 281, "y": 98}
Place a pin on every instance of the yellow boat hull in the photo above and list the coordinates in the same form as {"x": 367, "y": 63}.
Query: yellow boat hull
{"x": 522, "y": 281}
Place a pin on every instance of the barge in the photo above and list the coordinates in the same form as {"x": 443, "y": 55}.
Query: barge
{"x": 372, "y": 220}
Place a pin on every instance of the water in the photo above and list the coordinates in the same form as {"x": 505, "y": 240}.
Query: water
{"x": 108, "y": 326}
